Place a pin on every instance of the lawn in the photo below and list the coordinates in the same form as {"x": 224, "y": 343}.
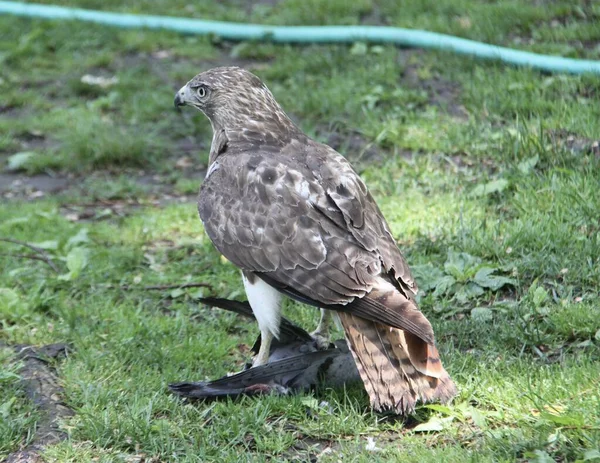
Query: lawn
{"x": 488, "y": 175}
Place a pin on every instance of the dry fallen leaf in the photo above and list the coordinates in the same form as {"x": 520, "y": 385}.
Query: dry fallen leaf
{"x": 162, "y": 54}
{"x": 464, "y": 22}
{"x": 371, "y": 447}
{"x": 99, "y": 81}
{"x": 184, "y": 162}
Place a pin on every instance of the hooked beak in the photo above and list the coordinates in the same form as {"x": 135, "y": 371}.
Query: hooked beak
{"x": 180, "y": 97}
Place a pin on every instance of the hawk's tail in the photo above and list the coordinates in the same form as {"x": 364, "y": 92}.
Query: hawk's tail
{"x": 397, "y": 368}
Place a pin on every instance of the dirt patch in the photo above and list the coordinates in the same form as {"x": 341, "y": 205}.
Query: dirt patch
{"x": 31, "y": 187}
{"x": 582, "y": 16}
{"x": 99, "y": 210}
{"x": 576, "y": 144}
{"x": 159, "y": 195}
{"x": 310, "y": 450}
{"x": 251, "y": 64}
{"x": 41, "y": 385}
{"x": 355, "y": 147}
{"x": 374, "y": 18}
{"x": 441, "y": 92}
{"x": 192, "y": 145}
{"x": 160, "y": 62}
{"x": 352, "y": 145}
{"x": 25, "y": 141}
{"x": 155, "y": 188}
{"x": 36, "y": 140}
{"x": 12, "y": 110}
{"x": 183, "y": 157}
{"x": 251, "y": 5}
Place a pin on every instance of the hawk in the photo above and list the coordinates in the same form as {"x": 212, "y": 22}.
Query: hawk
{"x": 298, "y": 221}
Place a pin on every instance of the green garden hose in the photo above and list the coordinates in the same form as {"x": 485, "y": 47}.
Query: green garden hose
{"x": 310, "y": 34}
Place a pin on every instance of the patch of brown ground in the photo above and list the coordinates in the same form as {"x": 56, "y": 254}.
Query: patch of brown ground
{"x": 575, "y": 143}
{"x": 441, "y": 92}
{"x": 41, "y": 385}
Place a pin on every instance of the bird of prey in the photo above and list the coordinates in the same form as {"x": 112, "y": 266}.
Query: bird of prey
{"x": 296, "y": 218}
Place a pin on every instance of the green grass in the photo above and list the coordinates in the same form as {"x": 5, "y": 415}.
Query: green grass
{"x": 17, "y": 416}
{"x": 475, "y": 165}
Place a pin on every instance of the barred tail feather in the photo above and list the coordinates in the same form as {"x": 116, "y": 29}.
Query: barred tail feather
{"x": 397, "y": 368}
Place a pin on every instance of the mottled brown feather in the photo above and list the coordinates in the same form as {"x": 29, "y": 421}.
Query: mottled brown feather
{"x": 388, "y": 369}
{"x": 294, "y": 212}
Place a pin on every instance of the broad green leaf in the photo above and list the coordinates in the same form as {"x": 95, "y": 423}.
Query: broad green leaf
{"x": 495, "y": 186}
{"x": 539, "y": 456}
{"x": 49, "y": 245}
{"x": 8, "y": 298}
{"x": 310, "y": 402}
{"x": 444, "y": 285}
{"x": 591, "y": 455}
{"x": 77, "y": 260}
{"x": 527, "y": 165}
{"x": 468, "y": 291}
{"x": 177, "y": 292}
{"x": 563, "y": 420}
{"x": 482, "y": 273}
{"x": 6, "y": 406}
{"x": 477, "y": 417}
{"x": 458, "y": 264}
{"x": 440, "y": 408}
{"x": 359, "y": 48}
{"x": 539, "y": 296}
{"x": 81, "y": 237}
{"x": 198, "y": 294}
{"x": 482, "y": 314}
{"x": 427, "y": 276}
{"x": 16, "y": 221}
{"x": 434, "y": 424}
{"x": 485, "y": 279}
{"x": 19, "y": 161}
{"x": 12, "y": 305}
{"x": 8, "y": 375}
{"x": 47, "y": 214}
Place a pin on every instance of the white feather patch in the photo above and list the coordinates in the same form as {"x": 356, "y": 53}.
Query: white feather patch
{"x": 303, "y": 189}
{"x": 266, "y": 305}
{"x": 213, "y": 167}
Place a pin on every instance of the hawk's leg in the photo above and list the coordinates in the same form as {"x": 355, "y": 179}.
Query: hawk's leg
{"x": 323, "y": 332}
{"x": 266, "y": 306}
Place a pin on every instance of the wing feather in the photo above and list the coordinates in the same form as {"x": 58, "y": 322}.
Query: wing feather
{"x": 303, "y": 220}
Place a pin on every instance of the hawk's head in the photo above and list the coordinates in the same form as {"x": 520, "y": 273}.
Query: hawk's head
{"x": 233, "y": 99}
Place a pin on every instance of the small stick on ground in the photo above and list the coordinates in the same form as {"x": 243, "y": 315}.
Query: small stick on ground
{"x": 41, "y": 254}
{"x": 29, "y": 256}
{"x": 41, "y": 386}
{"x": 162, "y": 287}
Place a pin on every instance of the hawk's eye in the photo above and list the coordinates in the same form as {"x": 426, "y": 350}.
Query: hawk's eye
{"x": 202, "y": 91}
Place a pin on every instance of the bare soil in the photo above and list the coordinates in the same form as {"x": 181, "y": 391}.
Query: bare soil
{"x": 41, "y": 385}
